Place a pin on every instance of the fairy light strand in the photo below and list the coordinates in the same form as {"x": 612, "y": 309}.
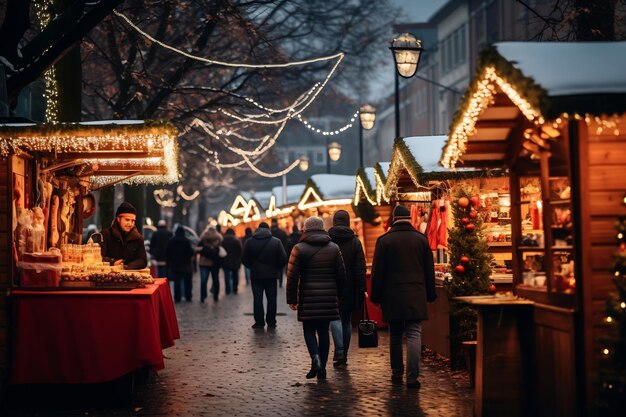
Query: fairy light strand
{"x": 338, "y": 56}
{"x": 51, "y": 91}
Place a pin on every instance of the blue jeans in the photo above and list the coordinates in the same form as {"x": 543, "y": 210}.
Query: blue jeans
{"x": 181, "y": 278}
{"x": 246, "y": 270}
{"x": 271, "y": 291}
{"x": 231, "y": 280}
{"x": 316, "y": 338}
{"x": 204, "y": 279}
{"x": 413, "y": 329}
{"x": 342, "y": 333}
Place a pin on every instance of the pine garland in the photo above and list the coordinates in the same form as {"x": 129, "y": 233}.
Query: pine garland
{"x": 470, "y": 265}
{"x": 611, "y": 399}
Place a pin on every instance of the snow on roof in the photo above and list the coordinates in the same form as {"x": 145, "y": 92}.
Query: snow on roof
{"x": 427, "y": 151}
{"x": 570, "y": 68}
{"x": 334, "y": 186}
{"x": 385, "y": 167}
{"x": 263, "y": 197}
{"x": 294, "y": 192}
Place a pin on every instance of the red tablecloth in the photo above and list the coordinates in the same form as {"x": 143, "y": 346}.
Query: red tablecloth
{"x": 90, "y": 336}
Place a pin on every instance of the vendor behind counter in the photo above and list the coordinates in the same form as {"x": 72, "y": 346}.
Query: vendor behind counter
{"x": 122, "y": 243}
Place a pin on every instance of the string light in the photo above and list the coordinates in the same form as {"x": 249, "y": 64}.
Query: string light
{"x": 361, "y": 188}
{"x": 482, "y": 97}
{"x": 187, "y": 197}
{"x": 224, "y": 218}
{"x": 329, "y": 132}
{"x": 268, "y": 175}
{"x": 228, "y": 64}
{"x": 273, "y": 210}
{"x": 157, "y": 139}
{"x": 239, "y": 206}
{"x": 51, "y": 92}
{"x": 318, "y": 201}
{"x": 165, "y": 198}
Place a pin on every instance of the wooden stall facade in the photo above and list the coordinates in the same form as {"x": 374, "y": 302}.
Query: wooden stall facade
{"x": 372, "y": 205}
{"x": 553, "y": 114}
{"x": 81, "y": 157}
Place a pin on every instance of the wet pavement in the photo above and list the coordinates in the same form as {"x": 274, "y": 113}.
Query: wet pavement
{"x": 222, "y": 367}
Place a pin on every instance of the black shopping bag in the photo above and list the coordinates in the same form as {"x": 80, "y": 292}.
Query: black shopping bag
{"x": 368, "y": 331}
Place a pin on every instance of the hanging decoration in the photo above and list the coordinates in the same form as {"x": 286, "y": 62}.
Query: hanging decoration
{"x": 165, "y": 198}
{"x": 51, "y": 92}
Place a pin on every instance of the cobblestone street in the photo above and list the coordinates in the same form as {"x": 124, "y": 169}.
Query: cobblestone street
{"x": 221, "y": 367}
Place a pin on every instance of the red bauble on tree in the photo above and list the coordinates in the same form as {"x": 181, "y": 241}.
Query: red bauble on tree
{"x": 465, "y": 220}
{"x": 492, "y": 289}
{"x": 463, "y": 202}
{"x": 459, "y": 269}
{"x": 465, "y": 260}
{"x": 473, "y": 214}
{"x": 475, "y": 201}
{"x": 470, "y": 227}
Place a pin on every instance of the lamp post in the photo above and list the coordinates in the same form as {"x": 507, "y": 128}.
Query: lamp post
{"x": 367, "y": 115}
{"x": 407, "y": 51}
{"x": 334, "y": 153}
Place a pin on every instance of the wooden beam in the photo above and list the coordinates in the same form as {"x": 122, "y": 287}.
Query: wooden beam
{"x": 497, "y": 124}
{"x": 485, "y": 147}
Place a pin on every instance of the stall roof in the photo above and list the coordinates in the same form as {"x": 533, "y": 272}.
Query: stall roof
{"x": 262, "y": 198}
{"x": 293, "y": 194}
{"x": 524, "y": 85}
{"x": 130, "y": 151}
{"x": 370, "y": 183}
{"x": 324, "y": 189}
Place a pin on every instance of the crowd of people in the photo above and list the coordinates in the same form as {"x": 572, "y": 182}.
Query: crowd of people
{"x": 325, "y": 280}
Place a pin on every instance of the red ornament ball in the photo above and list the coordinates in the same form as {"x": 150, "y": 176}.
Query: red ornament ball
{"x": 475, "y": 201}
{"x": 470, "y": 227}
{"x": 459, "y": 269}
{"x": 465, "y": 260}
{"x": 465, "y": 220}
{"x": 463, "y": 202}
{"x": 492, "y": 289}
{"x": 473, "y": 214}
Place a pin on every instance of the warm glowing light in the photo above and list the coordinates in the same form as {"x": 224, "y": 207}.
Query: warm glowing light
{"x": 407, "y": 51}
{"x": 609, "y": 319}
{"x": 605, "y": 351}
{"x": 304, "y": 163}
{"x": 367, "y": 114}
{"x": 623, "y": 305}
{"x": 334, "y": 151}
{"x": 239, "y": 206}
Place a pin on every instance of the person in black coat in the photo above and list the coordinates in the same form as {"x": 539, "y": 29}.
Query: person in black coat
{"x": 179, "y": 255}
{"x": 292, "y": 240}
{"x": 232, "y": 262}
{"x": 351, "y": 298}
{"x": 315, "y": 277}
{"x": 265, "y": 256}
{"x": 122, "y": 244}
{"x": 158, "y": 247}
{"x": 279, "y": 233}
{"x": 403, "y": 280}
{"x": 247, "y": 235}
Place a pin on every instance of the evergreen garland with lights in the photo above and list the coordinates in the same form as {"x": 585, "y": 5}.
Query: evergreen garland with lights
{"x": 612, "y": 370}
{"x": 469, "y": 264}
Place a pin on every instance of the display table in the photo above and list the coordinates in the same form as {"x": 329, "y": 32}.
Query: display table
{"x": 76, "y": 337}
{"x": 503, "y": 355}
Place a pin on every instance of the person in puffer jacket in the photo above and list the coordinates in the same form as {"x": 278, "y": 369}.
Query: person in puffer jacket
{"x": 351, "y": 298}
{"x": 315, "y": 278}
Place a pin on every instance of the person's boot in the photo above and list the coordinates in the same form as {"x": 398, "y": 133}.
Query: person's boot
{"x": 316, "y": 365}
{"x": 340, "y": 359}
{"x": 321, "y": 374}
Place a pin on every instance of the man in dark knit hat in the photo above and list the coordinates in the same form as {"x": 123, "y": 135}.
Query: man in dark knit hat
{"x": 265, "y": 256}
{"x": 122, "y": 244}
{"x": 403, "y": 280}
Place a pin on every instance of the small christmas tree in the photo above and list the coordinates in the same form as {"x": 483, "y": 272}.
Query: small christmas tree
{"x": 612, "y": 370}
{"x": 469, "y": 262}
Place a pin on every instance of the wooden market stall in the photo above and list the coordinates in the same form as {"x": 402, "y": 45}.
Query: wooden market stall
{"x": 282, "y": 204}
{"x": 372, "y": 205}
{"x": 52, "y": 170}
{"x": 326, "y": 193}
{"x": 553, "y": 114}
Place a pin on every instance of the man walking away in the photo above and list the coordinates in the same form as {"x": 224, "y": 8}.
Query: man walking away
{"x": 352, "y": 295}
{"x": 232, "y": 262}
{"x": 279, "y": 233}
{"x": 179, "y": 257}
{"x": 158, "y": 247}
{"x": 403, "y": 280}
{"x": 265, "y": 256}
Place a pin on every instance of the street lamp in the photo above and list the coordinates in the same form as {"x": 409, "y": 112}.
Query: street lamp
{"x": 334, "y": 153}
{"x": 407, "y": 51}
{"x": 304, "y": 163}
{"x": 367, "y": 115}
